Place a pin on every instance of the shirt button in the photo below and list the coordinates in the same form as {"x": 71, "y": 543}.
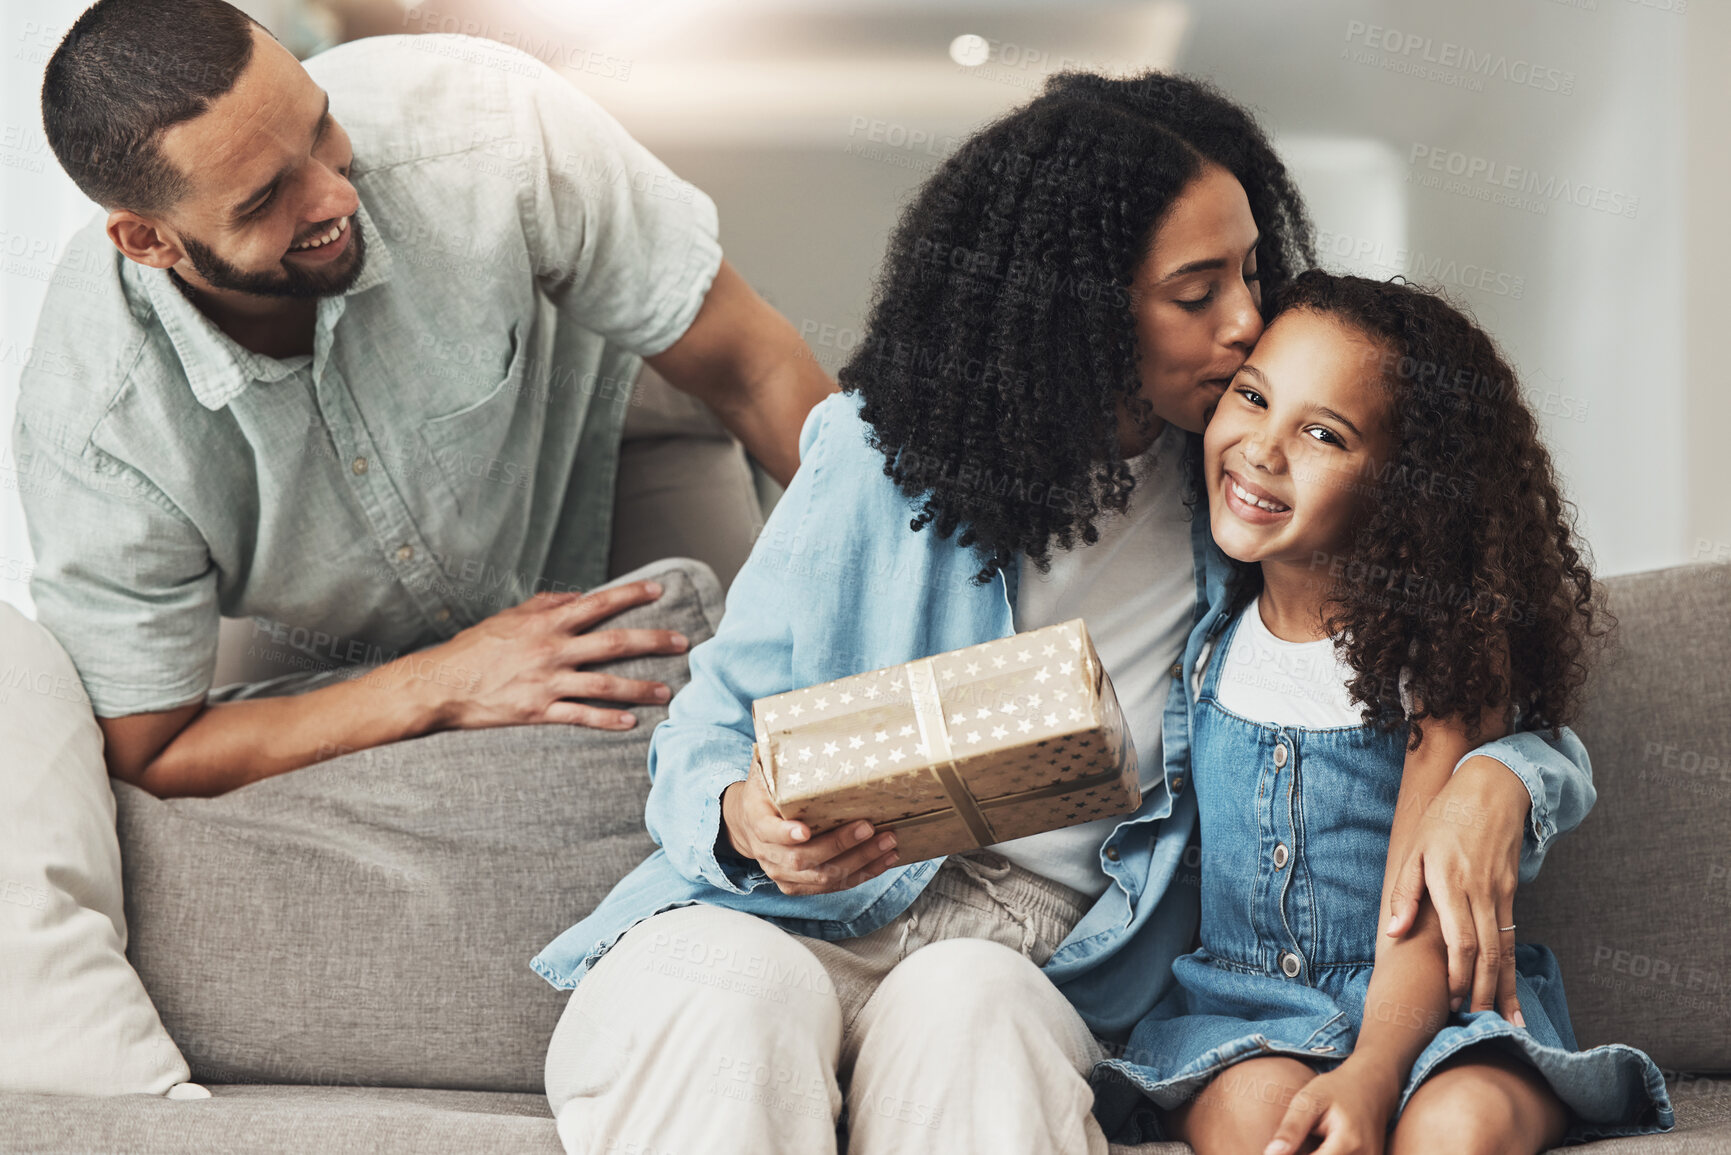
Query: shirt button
{"x": 405, "y": 552}
{"x": 1289, "y": 964}
{"x": 1279, "y": 855}
{"x": 1177, "y": 783}
{"x": 1177, "y": 670}
{"x": 1112, "y": 853}
{"x": 1280, "y": 755}
{"x": 360, "y": 466}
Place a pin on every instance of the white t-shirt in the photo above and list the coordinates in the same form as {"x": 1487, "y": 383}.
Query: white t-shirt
{"x": 1269, "y": 679}
{"x": 1136, "y": 589}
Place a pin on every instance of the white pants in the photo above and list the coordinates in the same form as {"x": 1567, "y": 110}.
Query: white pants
{"x": 704, "y": 1031}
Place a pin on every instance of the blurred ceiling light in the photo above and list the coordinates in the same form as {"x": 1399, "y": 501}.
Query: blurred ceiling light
{"x": 761, "y": 72}
{"x": 970, "y": 51}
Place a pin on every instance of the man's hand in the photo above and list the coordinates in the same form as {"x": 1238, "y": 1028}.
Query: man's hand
{"x": 1467, "y": 854}
{"x": 786, "y": 851}
{"x": 522, "y": 665}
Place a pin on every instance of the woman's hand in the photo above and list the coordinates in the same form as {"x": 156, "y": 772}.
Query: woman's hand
{"x": 1349, "y": 1107}
{"x": 1467, "y": 853}
{"x": 797, "y": 862}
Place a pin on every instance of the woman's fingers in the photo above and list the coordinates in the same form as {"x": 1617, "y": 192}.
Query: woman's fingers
{"x": 825, "y": 862}
{"x": 1508, "y": 1002}
{"x": 1455, "y": 917}
{"x": 1493, "y": 960}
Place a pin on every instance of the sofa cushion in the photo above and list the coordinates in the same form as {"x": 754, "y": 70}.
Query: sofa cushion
{"x": 370, "y": 919}
{"x": 74, "y": 1019}
{"x": 291, "y": 1120}
{"x": 1637, "y": 902}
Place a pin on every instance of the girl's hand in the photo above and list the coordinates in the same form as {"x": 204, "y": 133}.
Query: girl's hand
{"x": 795, "y": 861}
{"x": 1349, "y": 1107}
{"x": 1468, "y": 853}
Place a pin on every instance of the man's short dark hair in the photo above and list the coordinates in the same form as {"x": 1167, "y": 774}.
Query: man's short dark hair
{"x": 127, "y": 71}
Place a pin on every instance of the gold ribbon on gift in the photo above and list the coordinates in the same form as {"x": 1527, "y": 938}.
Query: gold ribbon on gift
{"x": 935, "y": 735}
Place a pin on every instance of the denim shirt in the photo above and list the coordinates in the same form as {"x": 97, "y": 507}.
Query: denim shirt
{"x": 838, "y": 584}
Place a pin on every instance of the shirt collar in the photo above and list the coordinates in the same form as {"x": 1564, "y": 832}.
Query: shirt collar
{"x": 217, "y": 367}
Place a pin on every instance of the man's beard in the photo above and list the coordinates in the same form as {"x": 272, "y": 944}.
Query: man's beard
{"x": 286, "y": 280}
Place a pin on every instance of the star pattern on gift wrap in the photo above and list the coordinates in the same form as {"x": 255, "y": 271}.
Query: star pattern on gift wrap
{"x": 1048, "y": 649}
{"x": 1042, "y": 674}
{"x": 957, "y": 718}
{"x": 972, "y": 668}
{"x": 973, "y": 736}
{"x": 796, "y": 709}
{"x": 881, "y": 736}
{"x": 871, "y": 691}
{"x": 871, "y": 760}
{"x": 804, "y": 753}
{"x": 845, "y": 696}
{"x": 947, "y": 674}
{"x": 998, "y": 661}
{"x": 830, "y": 748}
{"x": 854, "y": 741}
{"x": 820, "y": 703}
{"x": 1023, "y": 656}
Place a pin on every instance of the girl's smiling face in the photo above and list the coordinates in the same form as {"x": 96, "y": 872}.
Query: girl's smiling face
{"x": 1300, "y": 433}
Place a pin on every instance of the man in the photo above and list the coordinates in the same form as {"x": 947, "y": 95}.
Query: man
{"x": 357, "y": 363}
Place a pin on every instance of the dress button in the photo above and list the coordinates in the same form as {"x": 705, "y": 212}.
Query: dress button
{"x": 360, "y": 466}
{"x": 1279, "y": 855}
{"x": 1289, "y": 964}
{"x": 1112, "y": 853}
{"x": 1280, "y": 755}
{"x": 405, "y": 552}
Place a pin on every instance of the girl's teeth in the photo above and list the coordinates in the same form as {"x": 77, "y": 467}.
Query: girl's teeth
{"x": 1249, "y": 498}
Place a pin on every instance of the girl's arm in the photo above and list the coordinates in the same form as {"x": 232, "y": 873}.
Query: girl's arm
{"x": 1408, "y": 1000}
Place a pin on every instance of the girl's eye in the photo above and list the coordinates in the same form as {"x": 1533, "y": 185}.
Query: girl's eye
{"x": 1197, "y": 305}
{"x": 1326, "y": 436}
{"x": 1253, "y": 397}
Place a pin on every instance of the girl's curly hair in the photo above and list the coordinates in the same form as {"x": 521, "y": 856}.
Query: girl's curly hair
{"x": 1465, "y": 572}
{"x": 1001, "y": 336}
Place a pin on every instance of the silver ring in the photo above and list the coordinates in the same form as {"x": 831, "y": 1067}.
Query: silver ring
{"x": 1511, "y": 926}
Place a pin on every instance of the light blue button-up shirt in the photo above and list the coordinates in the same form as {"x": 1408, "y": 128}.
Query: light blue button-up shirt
{"x": 838, "y": 584}
{"x": 447, "y": 449}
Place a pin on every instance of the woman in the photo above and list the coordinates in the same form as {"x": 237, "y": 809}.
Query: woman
{"x": 1061, "y": 308}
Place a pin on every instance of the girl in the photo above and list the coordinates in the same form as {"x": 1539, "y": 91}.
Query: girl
{"x": 1064, "y": 300}
{"x": 1405, "y": 583}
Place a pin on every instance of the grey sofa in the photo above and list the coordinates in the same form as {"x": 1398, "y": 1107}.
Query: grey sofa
{"x": 342, "y": 953}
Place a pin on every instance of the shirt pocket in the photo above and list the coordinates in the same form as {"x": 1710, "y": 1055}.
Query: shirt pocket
{"x": 478, "y": 448}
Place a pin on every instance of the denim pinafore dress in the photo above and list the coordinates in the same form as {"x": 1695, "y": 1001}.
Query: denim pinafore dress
{"x": 1294, "y": 828}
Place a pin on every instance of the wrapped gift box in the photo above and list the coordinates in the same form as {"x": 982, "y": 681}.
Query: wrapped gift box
{"x": 959, "y": 750}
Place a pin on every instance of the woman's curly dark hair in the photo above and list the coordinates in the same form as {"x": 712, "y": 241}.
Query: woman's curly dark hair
{"x": 1465, "y": 571}
{"x": 1001, "y": 336}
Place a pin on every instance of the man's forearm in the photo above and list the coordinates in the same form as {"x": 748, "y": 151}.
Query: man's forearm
{"x": 769, "y": 427}
{"x": 230, "y": 744}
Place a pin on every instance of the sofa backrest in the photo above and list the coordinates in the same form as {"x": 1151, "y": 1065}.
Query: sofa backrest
{"x": 1636, "y": 903}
